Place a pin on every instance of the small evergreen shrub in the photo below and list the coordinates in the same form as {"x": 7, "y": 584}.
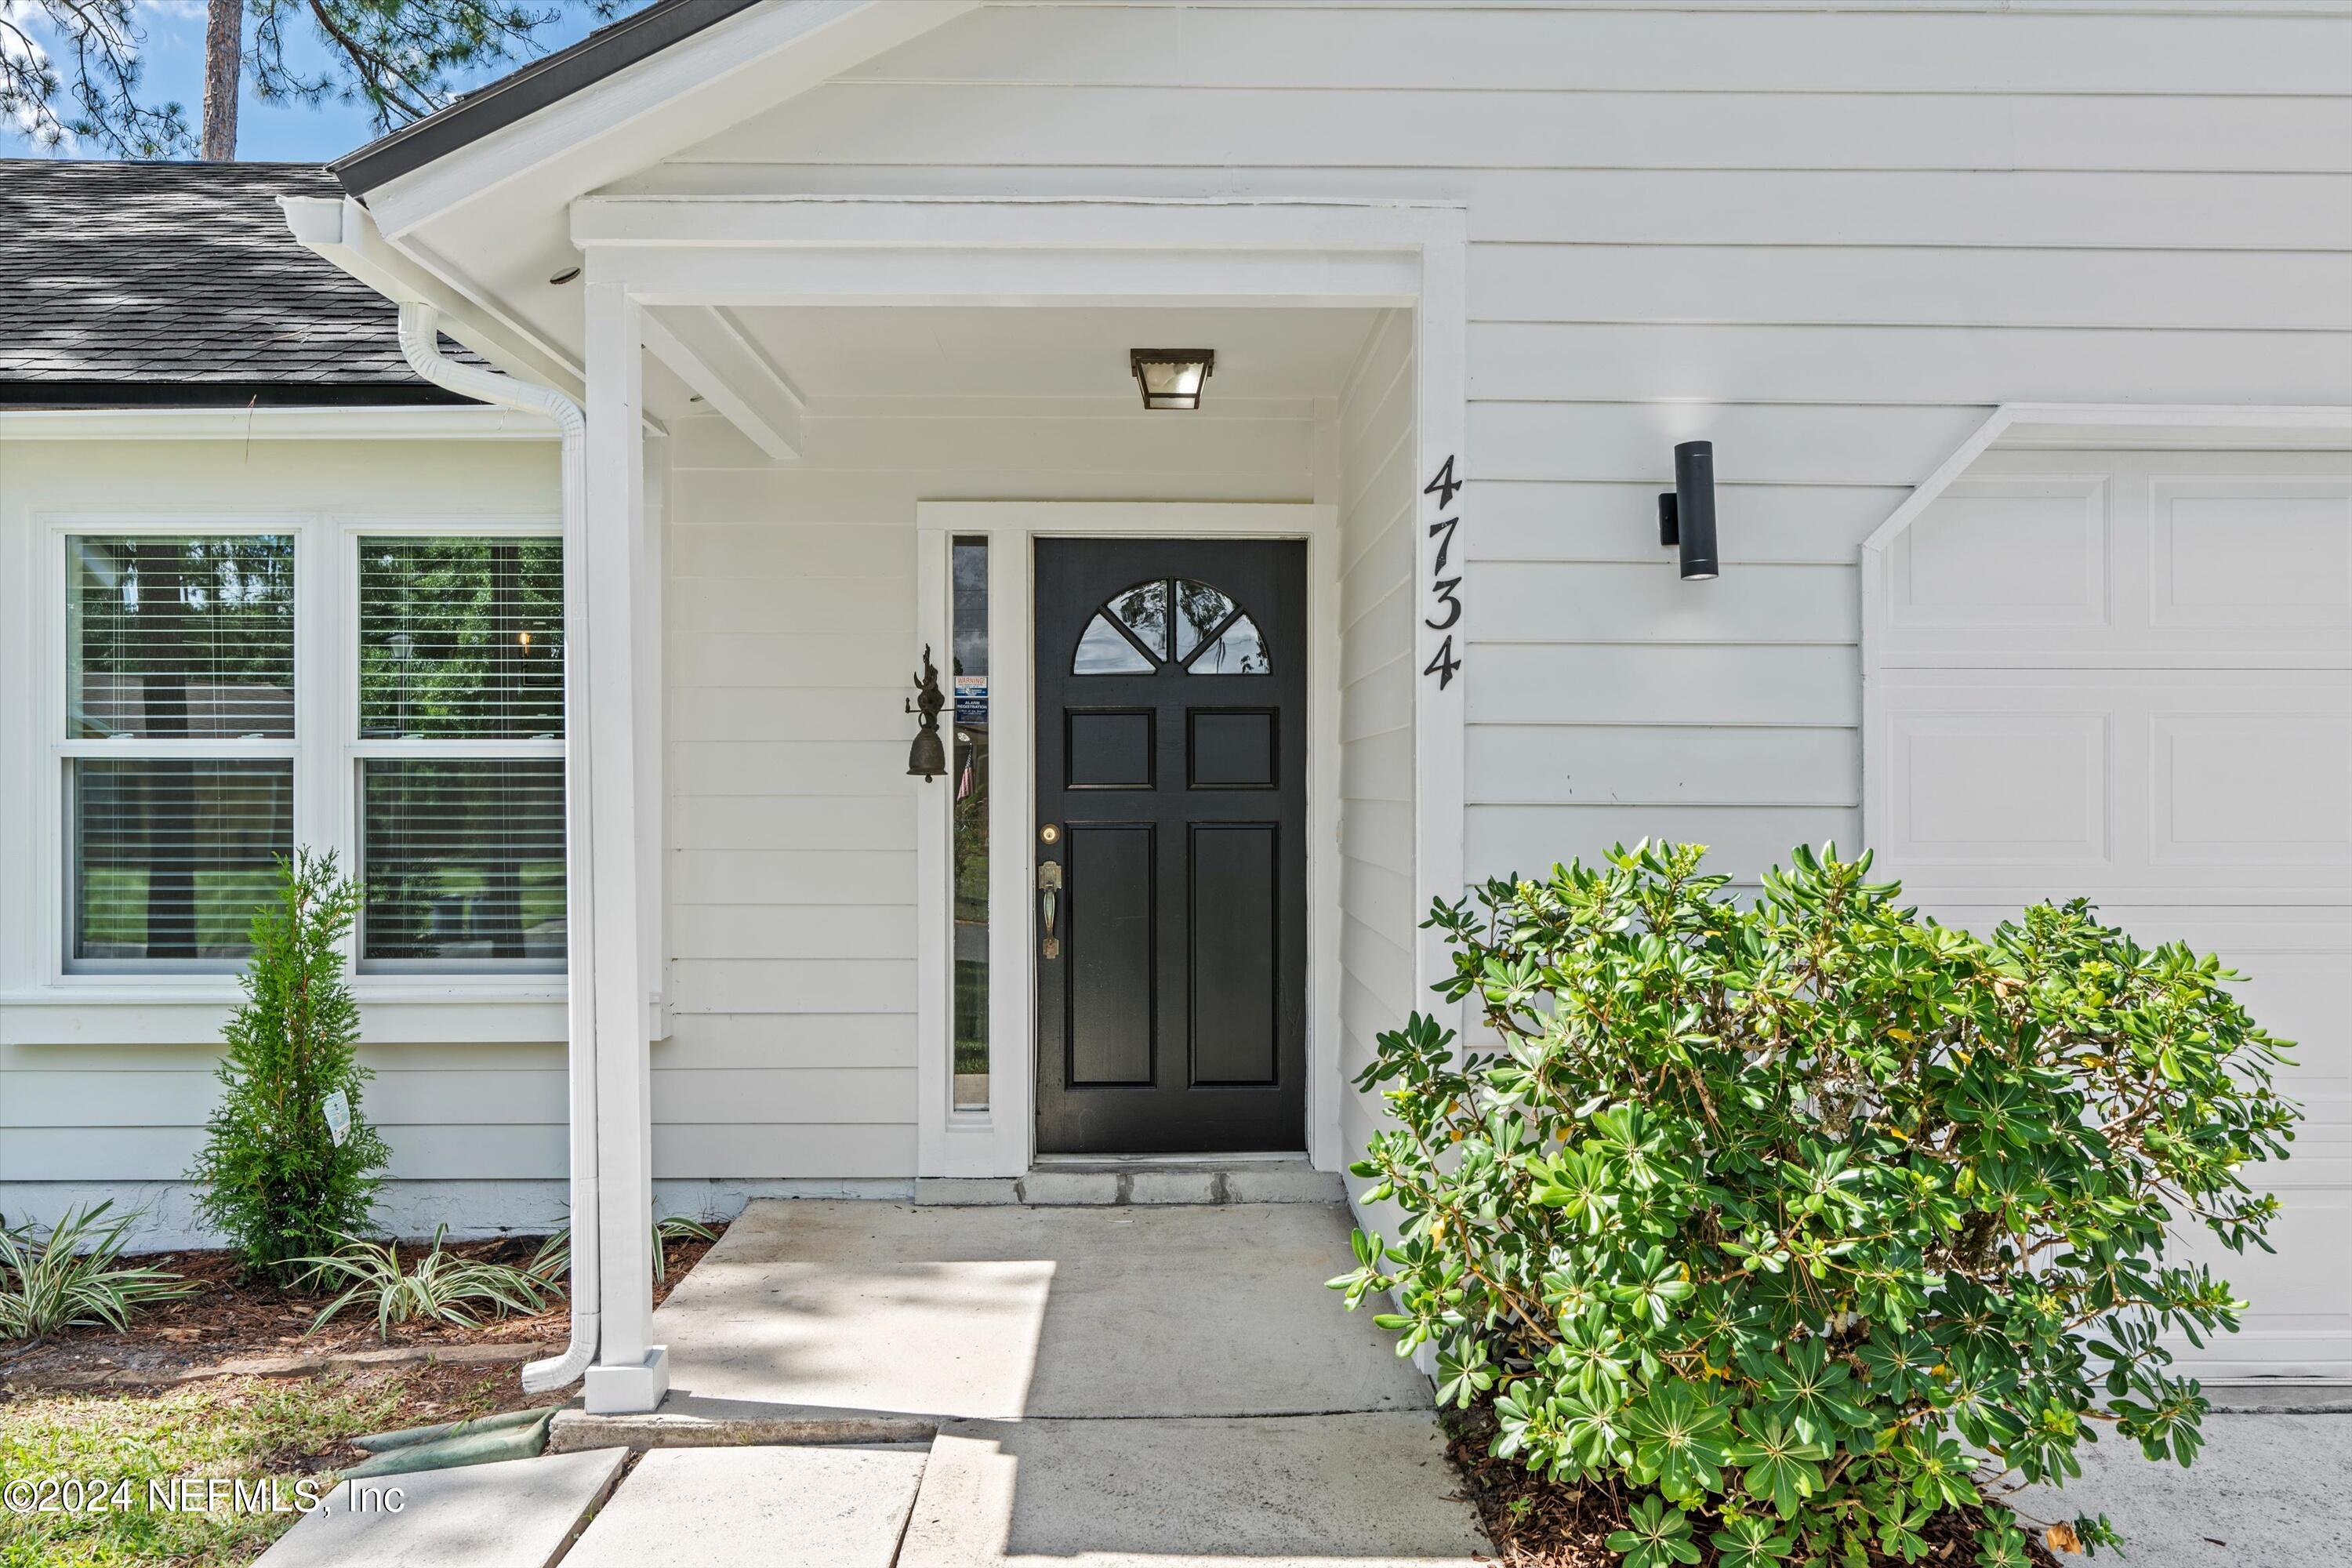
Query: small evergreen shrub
{"x": 276, "y": 1179}
{"x": 1801, "y": 1222}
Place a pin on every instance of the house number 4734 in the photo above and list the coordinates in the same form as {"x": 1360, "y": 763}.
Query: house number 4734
{"x": 1445, "y": 602}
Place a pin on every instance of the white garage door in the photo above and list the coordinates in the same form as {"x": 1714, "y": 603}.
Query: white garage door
{"x": 2127, "y": 675}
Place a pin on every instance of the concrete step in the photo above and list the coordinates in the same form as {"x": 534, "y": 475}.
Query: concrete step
{"x": 516, "y": 1513}
{"x": 1317, "y": 1491}
{"x": 1110, "y": 1182}
{"x": 757, "y": 1508}
{"x": 691, "y": 1421}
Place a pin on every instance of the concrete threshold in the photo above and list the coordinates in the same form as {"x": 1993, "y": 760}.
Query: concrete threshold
{"x": 1140, "y": 1179}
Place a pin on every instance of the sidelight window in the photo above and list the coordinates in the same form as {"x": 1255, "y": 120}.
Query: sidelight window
{"x": 970, "y": 767}
{"x": 1176, "y": 623}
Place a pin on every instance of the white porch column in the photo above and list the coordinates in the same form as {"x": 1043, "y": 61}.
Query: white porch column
{"x": 629, "y": 1373}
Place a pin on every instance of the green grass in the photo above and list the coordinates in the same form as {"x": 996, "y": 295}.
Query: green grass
{"x": 249, "y": 1428}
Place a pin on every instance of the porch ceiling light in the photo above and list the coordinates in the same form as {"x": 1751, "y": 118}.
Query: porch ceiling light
{"x": 1171, "y": 378}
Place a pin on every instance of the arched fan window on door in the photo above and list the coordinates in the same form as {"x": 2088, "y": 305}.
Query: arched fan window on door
{"x": 1177, "y": 622}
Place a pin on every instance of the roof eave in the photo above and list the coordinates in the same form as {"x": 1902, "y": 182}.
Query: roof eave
{"x": 534, "y": 87}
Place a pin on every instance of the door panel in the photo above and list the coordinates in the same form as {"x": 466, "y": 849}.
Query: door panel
{"x": 1236, "y": 952}
{"x": 1108, "y": 958}
{"x": 1171, "y": 805}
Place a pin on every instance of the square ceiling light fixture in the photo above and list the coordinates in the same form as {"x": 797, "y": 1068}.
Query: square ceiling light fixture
{"x": 1171, "y": 378}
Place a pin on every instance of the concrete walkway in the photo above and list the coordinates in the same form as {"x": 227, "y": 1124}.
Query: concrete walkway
{"x": 2274, "y": 1490}
{"x": 1171, "y": 1387}
{"x": 1111, "y": 1387}
{"x": 1009, "y": 1313}
{"x": 757, "y": 1508}
{"x": 517, "y": 1513}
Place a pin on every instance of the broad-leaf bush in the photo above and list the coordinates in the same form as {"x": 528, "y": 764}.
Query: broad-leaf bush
{"x": 1808, "y": 1214}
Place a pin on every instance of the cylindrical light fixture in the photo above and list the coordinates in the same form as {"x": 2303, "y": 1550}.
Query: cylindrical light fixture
{"x": 1686, "y": 513}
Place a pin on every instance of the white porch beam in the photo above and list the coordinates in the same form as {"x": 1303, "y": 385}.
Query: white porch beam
{"x": 629, "y": 1374}
{"x": 765, "y": 222}
{"x": 712, "y": 356}
{"x": 673, "y": 275}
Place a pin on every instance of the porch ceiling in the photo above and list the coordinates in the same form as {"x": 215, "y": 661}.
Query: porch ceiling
{"x": 980, "y": 352}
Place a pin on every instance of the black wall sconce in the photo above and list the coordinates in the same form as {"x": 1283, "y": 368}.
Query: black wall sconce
{"x": 1686, "y": 513}
{"x": 927, "y": 759}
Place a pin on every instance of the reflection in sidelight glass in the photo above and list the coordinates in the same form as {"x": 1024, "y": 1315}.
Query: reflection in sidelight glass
{"x": 968, "y": 766}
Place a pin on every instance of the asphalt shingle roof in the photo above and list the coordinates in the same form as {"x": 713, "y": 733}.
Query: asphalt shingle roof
{"x": 153, "y": 283}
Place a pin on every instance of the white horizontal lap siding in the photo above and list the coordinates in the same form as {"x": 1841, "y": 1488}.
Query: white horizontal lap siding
{"x": 1828, "y": 240}
{"x": 104, "y": 1095}
{"x": 789, "y": 642}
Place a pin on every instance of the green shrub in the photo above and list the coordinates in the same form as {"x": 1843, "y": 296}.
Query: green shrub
{"x": 553, "y": 1258}
{"x": 442, "y": 1286}
{"x": 276, "y": 1180}
{"x": 68, "y": 1276}
{"x": 1809, "y": 1216}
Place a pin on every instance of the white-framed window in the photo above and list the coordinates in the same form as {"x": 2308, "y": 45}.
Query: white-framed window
{"x": 178, "y": 754}
{"x": 457, "y": 751}
{"x": 225, "y": 691}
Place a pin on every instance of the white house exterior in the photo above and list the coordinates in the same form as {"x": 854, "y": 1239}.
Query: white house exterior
{"x": 2022, "y": 333}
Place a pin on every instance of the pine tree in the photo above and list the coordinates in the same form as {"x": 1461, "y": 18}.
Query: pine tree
{"x": 73, "y": 70}
{"x": 276, "y": 1179}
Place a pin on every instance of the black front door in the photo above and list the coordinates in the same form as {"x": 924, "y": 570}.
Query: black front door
{"x": 1172, "y": 845}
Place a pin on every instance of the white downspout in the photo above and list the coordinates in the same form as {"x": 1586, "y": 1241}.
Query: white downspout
{"x": 420, "y": 341}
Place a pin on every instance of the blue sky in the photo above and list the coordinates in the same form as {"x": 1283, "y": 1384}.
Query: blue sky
{"x": 174, "y": 56}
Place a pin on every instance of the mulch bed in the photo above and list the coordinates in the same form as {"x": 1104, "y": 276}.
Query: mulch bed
{"x": 234, "y": 1325}
{"x": 1537, "y": 1523}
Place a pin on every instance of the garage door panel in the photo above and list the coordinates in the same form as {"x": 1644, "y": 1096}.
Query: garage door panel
{"x": 2128, "y": 676}
{"x": 1957, "y": 802}
{"x": 2235, "y": 787}
{"x": 2052, "y": 783}
{"x": 2298, "y": 1319}
{"x": 2007, "y": 553}
{"x": 2105, "y": 554}
{"x": 2249, "y": 552}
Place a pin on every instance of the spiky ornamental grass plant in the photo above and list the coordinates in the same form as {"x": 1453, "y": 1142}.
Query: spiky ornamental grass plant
{"x": 70, "y": 1276}
{"x": 275, "y": 1179}
{"x": 1812, "y": 1218}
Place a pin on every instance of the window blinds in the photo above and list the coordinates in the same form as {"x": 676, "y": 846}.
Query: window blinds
{"x": 461, "y": 776}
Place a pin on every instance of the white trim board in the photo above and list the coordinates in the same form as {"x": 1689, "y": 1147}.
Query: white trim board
{"x": 383, "y": 422}
{"x": 1000, "y": 1140}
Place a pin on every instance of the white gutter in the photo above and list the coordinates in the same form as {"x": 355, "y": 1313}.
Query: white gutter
{"x": 420, "y": 341}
